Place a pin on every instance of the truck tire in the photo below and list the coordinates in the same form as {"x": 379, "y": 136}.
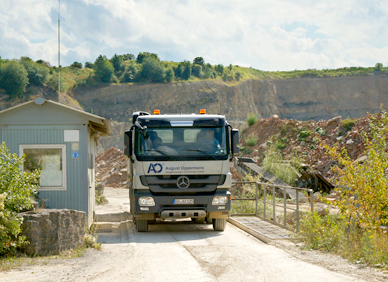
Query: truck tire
{"x": 141, "y": 225}
{"x": 219, "y": 224}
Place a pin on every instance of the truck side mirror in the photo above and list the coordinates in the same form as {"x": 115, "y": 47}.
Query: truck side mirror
{"x": 235, "y": 141}
{"x": 128, "y": 143}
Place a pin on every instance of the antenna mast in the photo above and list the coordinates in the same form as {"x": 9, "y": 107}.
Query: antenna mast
{"x": 59, "y": 48}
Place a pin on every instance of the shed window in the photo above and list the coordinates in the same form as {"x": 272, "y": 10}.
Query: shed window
{"x": 51, "y": 160}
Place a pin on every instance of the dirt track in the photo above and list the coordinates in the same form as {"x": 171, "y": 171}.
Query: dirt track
{"x": 189, "y": 252}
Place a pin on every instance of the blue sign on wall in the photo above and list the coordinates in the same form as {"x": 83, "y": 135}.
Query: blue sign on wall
{"x": 75, "y": 155}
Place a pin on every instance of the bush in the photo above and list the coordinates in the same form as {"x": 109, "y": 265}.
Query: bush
{"x": 336, "y": 234}
{"x": 76, "y": 65}
{"x": 37, "y": 73}
{"x": 153, "y": 70}
{"x": 16, "y": 190}
{"x": 285, "y": 171}
{"x": 103, "y": 68}
{"x": 251, "y": 119}
{"x": 14, "y": 79}
{"x": 304, "y": 134}
{"x": 365, "y": 185}
{"x": 251, "y": 141}
{"x": 348, "y": 123}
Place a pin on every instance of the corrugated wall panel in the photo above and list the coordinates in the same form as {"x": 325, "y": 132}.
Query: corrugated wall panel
{"x": 74, "y": 196}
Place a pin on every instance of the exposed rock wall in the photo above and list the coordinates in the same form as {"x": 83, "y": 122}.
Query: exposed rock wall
{"x": 299, "y": 98}
{"x": 52, "y": 231}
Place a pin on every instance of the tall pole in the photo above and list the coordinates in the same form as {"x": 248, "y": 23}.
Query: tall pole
{"x": 59, "y": 47}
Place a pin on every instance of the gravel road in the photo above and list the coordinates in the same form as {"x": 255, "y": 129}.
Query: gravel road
{"x": 183, "y": 251}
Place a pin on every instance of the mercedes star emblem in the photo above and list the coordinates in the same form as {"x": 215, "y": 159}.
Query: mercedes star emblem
{"x": 183, "y": 182}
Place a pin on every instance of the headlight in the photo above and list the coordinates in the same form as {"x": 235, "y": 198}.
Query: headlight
{"x": 220, "y": 200}
{"x": 146, "y": 201}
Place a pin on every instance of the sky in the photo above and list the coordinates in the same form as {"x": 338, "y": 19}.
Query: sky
{"x": 268, "y": 35}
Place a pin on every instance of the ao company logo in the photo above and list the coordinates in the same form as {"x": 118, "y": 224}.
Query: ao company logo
{"x": 156, "y": 168}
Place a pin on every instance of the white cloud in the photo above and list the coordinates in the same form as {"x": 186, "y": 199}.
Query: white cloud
{"x": 268, "y": 35}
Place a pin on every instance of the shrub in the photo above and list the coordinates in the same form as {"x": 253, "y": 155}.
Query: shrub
{"x": 365, "y": 185}
{"x": 14, "y": 79}
{"x": 16, "y": 189}
{"x": 103, "y": 68}
{"x": 304, "y": 134}
{"x": 153, "y": 70}
{"x": 348, "y": 123}
{"x": 76, "y": 65}
{"x": 251, "y": 119}
{"x": 287, "y": 171}
{"x": 251, "y": 141}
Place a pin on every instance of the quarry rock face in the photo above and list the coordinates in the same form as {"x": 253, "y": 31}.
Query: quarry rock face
{"x": 297, "y": 98}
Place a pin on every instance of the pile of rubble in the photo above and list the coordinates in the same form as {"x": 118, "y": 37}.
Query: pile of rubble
{"x": 306, "y": 139}
{"x": 111, "y": 168}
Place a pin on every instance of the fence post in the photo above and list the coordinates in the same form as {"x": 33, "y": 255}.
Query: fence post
{"x": 297, "y": 211}
{"x": 257, "y": 195}
{"x": 285, "y": 206}
{"x": 265, "y": 201}
{"x": 311, "y": 200}
{"x": 273, "y": 203}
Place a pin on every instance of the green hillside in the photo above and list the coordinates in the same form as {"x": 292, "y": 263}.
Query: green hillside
{"x": 17, "y": 75}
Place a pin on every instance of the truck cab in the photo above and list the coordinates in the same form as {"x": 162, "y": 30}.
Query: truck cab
{"x": 178, "y": 165}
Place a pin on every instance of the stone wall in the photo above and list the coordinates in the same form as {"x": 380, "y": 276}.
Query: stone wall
{"x": 52, "y": 231}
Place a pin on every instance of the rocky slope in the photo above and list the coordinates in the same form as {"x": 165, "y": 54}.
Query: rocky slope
{"x": 299, "y": 98}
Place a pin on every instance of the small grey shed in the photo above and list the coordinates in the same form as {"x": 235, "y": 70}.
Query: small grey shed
{"x": 61, "y": 142}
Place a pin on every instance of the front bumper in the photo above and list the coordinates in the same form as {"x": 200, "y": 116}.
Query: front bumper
{"x": 165, "y": 208}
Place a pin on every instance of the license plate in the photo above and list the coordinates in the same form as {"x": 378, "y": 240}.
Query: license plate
{"x": 183, "y": 202}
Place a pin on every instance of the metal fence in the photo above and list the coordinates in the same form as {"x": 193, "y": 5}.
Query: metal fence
{"x": 262, "y": 190}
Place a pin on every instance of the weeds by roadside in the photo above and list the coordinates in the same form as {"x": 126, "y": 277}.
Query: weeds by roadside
{"x": 338, "y": 235}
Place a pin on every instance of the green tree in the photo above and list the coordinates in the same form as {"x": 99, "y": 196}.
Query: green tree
{"x": 103, "y": 68}
{"x": 178, "y": 71}
{"x": 16, "y": 190}
{"x": 116, "y": 62}
{"x": 37, "y": 73}
{"x": 76, "y": 65}
{"x": 169, "y": 75}
{"x": 220, "y": 69}
{"x": 199, "y": 61}
{"x": 379, "y": 66}
{"x": 153, "y": 70}
{"x": 14, "y": 79}
{"x": 186, "y": 65}
{"x": 142, "y": 56}
{"x": 130, "y": 72}
{"x": 89, "y": 65}
{"x": 196, "y": 70}
{"x": 128, "y": 57}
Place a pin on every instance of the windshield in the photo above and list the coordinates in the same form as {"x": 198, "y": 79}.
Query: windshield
{"x": 175, "y": 143}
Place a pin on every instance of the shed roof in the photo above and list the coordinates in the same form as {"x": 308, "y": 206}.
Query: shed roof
{"x": 98, "y": 123}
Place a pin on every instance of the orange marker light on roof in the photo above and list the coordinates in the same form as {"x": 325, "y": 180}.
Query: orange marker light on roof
{"x": 156, "y": 112}
{"x": 202, "y": 111}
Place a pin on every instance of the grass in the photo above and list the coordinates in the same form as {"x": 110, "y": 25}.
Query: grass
{"x": 251, "y": 119}
{"x": 348, "y": 123}
{"x": 335, "y": 234}
{"x": 22, "y": 260}
{"x": 251, "y": 141}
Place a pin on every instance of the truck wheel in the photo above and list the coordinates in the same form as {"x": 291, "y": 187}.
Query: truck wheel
{"x": 141, "y": 225}
{"x": 219, "y": 224}
{"x": 199, "y": 220}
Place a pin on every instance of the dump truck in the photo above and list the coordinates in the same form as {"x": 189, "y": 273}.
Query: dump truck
{"x": 178, "y": 167}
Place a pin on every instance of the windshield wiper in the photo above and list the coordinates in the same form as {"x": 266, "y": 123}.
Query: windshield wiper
{"x": 203, "y": 152}
{"x": 161, "y": 152}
